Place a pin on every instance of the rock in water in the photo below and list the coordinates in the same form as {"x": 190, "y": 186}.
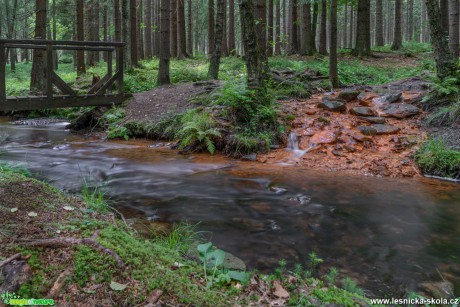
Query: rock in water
{"x": 385, "y": 129}
{"x": 363, "y": 111}
{"x": 332, "y": 105}
{"x": 400, "y": 110}
{"x": 349, "y": 95}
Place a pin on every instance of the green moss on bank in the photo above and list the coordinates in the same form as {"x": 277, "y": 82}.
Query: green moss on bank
{"x": 434, "y": 158}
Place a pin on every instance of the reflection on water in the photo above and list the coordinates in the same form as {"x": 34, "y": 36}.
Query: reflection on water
{"x": 389, "y": 234}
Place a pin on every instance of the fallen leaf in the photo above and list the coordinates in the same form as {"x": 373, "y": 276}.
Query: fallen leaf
{"x": 117, "y": 286}
{"x": 32, "y": 214}
{"x": 279, "y": 290}
{"x": 14, "y": 209}
{"x": 68, "y": 208}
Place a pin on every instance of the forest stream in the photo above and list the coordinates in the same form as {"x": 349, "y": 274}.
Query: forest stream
{"x": 390, "y": 234}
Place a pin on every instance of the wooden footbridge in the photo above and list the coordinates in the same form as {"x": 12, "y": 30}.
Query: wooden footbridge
{"x": 98, "y": 95}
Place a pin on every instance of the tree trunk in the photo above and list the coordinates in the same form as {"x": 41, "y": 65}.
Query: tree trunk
{"x": 277, "y": 29}
{"x": 397, "y": 40}
{"x": 270, "y": 28}
{"x": 444, "y": 7}
{"x": 255, "y": 63}
{"x": 38, "y": 75}
{"x": 96, "y": 31}
{"x": 165, "y": 15}
{"x": 148, "y": 29}
{"x": 182, "y": 38}
{"x": 80, "y": 59}
{"x": 55, "y": 53}
{"x": 345, "y": 29}
{"x": 217, "y": 50}
{"x": 363, "y": 33}
{"x": 445, "y": 62}
{"x": 173, "y": 29}
{"x": 306, "y": 29}
{"x": 190, "y": 30}
{"x": 261, "y": 25}
{"x": 105, "y": 25}
{"x": 133, "y": 33}
{"x": 379, "y": 40}
{"x": 410, "y": 20}
{"x": 224, "y": 33}
{"x": 314, "y": 24}
{"x": 294, "y": 47}
{"x": 211, "y": 22}
{"x": 454, "y": 27}
{"x": 125, "y": 32}
{"x": 333, "y": 71}
{"x": 117, "y": 20}
{"x": 352, "y": 26}
{"x": 323, "y": 33}
{"x": 231, "y": 27}
{"x": 140, "y": 36}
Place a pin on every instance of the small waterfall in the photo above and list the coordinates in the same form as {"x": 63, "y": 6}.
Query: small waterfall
{"x": 293, "y": 145}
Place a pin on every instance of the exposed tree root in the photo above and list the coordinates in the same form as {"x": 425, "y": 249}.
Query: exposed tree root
{"x": 8, "y": 260}
{"x": 66, "y": 242}
{"x": 59, "y": 283}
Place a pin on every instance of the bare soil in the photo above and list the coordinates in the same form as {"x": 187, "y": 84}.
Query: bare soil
{"x": 162, "y": 101}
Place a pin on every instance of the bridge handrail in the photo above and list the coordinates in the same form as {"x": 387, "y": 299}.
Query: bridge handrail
{"x": 62, "y": 42}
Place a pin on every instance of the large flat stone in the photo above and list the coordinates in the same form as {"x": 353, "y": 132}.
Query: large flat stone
{"x": 385, "y": 129}
{"x": 399, "y": 110}
{"x": 332, "y": 105}
{"x": 372, "y": 119}
{"x": 363, "y": 111}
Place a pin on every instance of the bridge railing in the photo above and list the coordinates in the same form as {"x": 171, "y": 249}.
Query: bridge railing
{"x": 98, "y": 94}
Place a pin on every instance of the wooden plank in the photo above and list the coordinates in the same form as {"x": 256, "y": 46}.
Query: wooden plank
{"x": 62, "y": 86}
{"x": 2, "y": 73}
{"x": 120, "y": 69}
{"x": 62, "y": 42}
{"x": 60, "y": 102}
{"x": 49, "y": 71}
{"x": 112, "y": 79}
{"x": 98, "y": 84}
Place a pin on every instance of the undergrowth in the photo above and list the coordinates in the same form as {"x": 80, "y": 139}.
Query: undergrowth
{"x": 434, "y": 158}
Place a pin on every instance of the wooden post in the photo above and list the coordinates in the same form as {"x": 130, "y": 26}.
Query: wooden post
{"x": 120, "y": 68}
{"x": 49, "y": 71}
{"x": 109, "y": 68}
{"x": 2, "y": 73}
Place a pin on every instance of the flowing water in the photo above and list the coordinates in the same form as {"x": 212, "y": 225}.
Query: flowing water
{"x": 388, "y": 234}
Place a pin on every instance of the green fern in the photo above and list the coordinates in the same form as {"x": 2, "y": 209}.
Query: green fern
{"x": 198, "y": 127}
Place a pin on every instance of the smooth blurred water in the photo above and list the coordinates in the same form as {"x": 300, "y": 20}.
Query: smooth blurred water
{"x": 388, "y": 234}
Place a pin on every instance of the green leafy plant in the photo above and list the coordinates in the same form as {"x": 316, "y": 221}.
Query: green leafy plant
{"x": 331, "y": 275}
{"x": 198, "y": 127}
{"x": 436, "y": 159}
{"x": 213, "y": 259}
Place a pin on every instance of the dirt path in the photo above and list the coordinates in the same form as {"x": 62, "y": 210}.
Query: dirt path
{"x": 161, "y": 101}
